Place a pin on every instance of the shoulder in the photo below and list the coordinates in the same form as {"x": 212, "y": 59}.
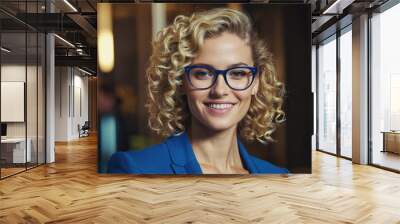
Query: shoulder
{"x": 150, "y": 160}
{"x": 267, "y": 167}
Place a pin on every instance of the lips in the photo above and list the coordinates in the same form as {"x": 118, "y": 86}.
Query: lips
{"x": 219, "y": 108}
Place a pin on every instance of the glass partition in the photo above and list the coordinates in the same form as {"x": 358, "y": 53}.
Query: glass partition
{"x": 13, "y": 107}
{"x": 22, "y": 90}
{"x": 327, "y": 96}
{"x": 346, "y": 93}
{"x": 385, "y": 89}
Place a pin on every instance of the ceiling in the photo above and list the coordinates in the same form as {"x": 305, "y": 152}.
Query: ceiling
{"x": 76, "y": 22}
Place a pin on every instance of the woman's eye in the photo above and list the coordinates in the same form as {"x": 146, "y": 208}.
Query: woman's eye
{"x": 201, "y": 74}
{"x": 239, "y": 74}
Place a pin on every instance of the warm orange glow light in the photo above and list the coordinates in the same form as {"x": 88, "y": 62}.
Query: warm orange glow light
{"x": 105, "y": 37}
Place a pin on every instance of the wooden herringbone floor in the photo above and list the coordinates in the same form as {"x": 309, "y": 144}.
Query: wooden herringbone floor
{"x": 70, "y": 191}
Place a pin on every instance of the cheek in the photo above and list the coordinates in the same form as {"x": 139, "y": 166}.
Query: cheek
{"x": 190, "y": 102}
{"x": 245, "y": 101}
{"x": 244, "y": 97}
{"x": 193, "y": 99}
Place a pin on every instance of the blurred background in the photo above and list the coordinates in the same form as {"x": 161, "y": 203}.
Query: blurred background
{"x": 125, "y": 32}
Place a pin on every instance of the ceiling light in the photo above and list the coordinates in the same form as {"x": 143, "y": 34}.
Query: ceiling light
{"x": 329, "y": 9}
{"x": 70, "y": 5}
{"x": 65, "y": 41}
{"x": 338, "y": 6}
{"x": 105, "y": 38}
{"x": 79, "y": 51}
{"x": 5, "y": 50}
{"x": 84, "y": 71}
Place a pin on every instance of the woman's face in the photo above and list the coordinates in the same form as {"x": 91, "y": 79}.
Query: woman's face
{"x": 220, "y": 107}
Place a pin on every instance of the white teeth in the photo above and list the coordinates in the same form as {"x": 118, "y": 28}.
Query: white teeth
{"x": 220, "y": 106}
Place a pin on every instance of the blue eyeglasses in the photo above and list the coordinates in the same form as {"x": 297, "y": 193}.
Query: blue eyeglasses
{"x": 237, "y": 78}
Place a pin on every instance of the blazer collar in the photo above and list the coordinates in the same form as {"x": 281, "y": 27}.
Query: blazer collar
{"x": 247, "y": 160}
{"x": 184, "y": 160}
{"x": 181, "y": 152}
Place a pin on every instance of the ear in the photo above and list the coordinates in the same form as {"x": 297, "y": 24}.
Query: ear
{"x": 254, "y": 89}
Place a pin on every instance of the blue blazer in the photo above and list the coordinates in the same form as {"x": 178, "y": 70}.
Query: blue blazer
{"x": 175, "y": 156}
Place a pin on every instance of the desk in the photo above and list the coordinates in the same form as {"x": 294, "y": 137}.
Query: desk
{"x": 391, "y": 141}
{"x": 15, "y": 148}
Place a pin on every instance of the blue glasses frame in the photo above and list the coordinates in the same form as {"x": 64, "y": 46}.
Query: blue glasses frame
{"x": 217, "y": 72}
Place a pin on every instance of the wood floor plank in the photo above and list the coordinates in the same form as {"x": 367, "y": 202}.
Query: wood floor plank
{"x": 70, "y": 191}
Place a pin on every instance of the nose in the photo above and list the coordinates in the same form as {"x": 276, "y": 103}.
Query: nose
{"x": 220, "y": 88}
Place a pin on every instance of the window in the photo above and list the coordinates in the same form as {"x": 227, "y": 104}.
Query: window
{"x": 327, "y": 96}
{"x": 346, "y": 93}
{"x": 385, "y": 88}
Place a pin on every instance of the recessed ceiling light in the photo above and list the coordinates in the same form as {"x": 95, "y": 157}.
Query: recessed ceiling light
{"x": 65, "y": 41}
{"x": 5, "y": 50}
{"x": 337, "y": 7}
{"x": 84, "y": 71}
{"x": 70, "y": 5}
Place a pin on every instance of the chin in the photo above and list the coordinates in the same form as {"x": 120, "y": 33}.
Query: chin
{"x": 218, "y": 124}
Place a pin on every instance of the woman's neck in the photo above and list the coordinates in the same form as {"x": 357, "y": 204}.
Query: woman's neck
{"x": 216, "y": 151}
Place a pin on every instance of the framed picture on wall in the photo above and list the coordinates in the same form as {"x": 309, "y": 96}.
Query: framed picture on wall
{"x": 204, "y": 88}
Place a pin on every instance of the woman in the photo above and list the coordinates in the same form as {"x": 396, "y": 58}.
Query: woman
{"x": 210, "y": 79}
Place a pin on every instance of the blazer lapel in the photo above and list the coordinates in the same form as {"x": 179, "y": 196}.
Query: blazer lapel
{"x": 246, "y": 158}
{"x": 183, "y": 160}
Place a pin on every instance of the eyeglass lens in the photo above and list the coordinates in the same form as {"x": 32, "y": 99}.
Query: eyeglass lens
{"x": 237, "y": 78}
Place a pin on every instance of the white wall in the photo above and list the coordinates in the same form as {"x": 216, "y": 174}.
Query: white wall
{"x": 16, "y": 73}
{"x": 33, "y": 126}
{"x": 71, "y": 93}
{"x": 61, "y": 103}
{"x": 13, "y": 72}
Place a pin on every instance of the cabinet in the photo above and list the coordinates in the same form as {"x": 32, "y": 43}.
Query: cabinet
{"x": 391, "y": 141}
{"x": 13, "y": 150}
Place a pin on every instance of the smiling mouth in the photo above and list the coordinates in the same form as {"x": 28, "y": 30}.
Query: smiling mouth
{"x": 220, "y": 106}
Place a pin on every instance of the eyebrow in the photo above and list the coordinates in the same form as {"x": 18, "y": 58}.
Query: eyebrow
{"x": 230, "y": 66}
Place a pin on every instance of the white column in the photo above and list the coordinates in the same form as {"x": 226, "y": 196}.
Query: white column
{"x": 360, "y": 90}
{"x": 62, "y": 103}
{"x": 50, "y": 93}
{"x": 50, "y": 100}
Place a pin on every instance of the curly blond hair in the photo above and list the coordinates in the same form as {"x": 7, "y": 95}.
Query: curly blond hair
{"x": 176, "y": 46}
